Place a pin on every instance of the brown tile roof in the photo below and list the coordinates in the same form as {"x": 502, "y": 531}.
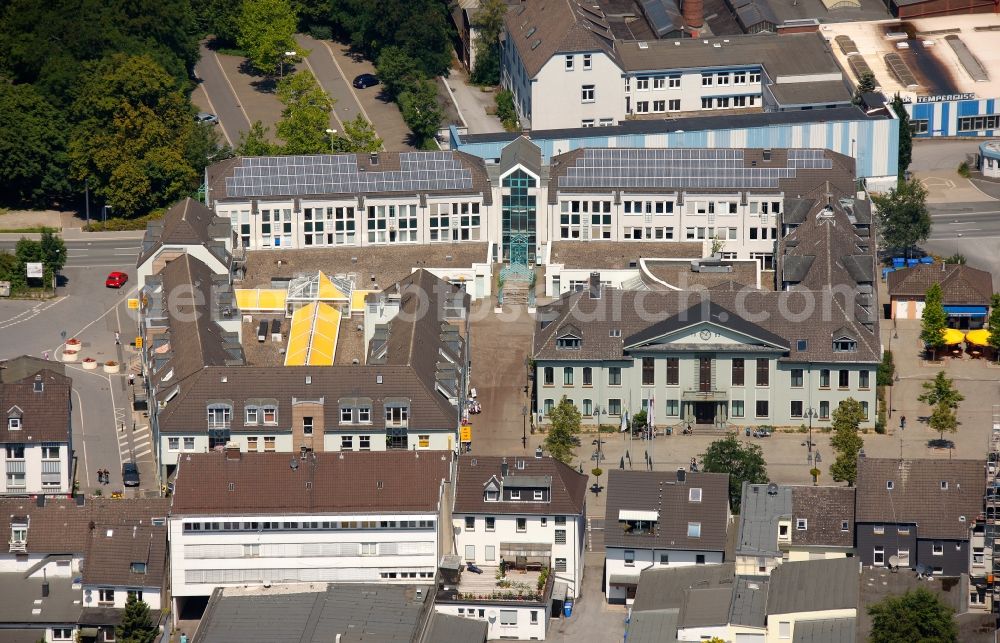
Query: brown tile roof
{"x": 661, "y": 492}
{"x": 62, "y": 526}
{"x": 113, "y": 549}
{"x": 617, "y": 255}
{"x": 917, "y": 495}
{"x": 960, "y": 284}
{"x": 187, "y": 222}
{"x": 540, "y": 30}
{"x": 45, "y": 416}
{"x": 569, "y": 487}
{"x": 825, "y": 510}
{"x": 345, "y": 482}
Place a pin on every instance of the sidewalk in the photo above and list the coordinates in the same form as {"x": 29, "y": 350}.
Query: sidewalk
{"x": 473, "y": 103}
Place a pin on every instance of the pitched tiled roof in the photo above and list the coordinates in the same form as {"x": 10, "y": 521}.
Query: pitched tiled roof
{"x": 113, "y": 549}
{"x": 825, "y": 509}
{"x": 942, "y": 497}
{"x": 665, "y": 588}
{"x": 540, "y": 30}
{"x": 660, "y": 491}
{"x": 45, "y": 416}
{"x": 62, "y": 526}
{"x": 344, "y": 482}
{"x": 960, "y": 284}
{"x": 187, "y": 222}
{"x": 568, "y": 487}
{"x": 814, "y": 586}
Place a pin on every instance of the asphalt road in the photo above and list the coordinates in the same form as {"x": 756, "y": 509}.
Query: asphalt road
{"x": 221, "y": 96}
{"x": 972, "y": 229}
{"x": 113, "y": 254}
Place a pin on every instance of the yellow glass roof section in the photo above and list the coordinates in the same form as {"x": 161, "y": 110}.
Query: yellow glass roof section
{"x": 328, "y": 291}
{"x": 312, "y": 339}
{"x": 358, "y": 300}
{"x": 260, "y": 299}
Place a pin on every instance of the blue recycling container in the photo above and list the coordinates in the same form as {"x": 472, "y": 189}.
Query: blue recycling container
{"x": 898, "y": 262}
{"x": 568, "y": 609}
{"x": 927, "y": 260}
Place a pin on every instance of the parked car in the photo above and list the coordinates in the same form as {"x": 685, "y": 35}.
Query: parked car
{"x": 130, "y": 474}
{"x": 365, "y": 80}
{"x": 116, "y": 280}
{"x": 205, "y": 117}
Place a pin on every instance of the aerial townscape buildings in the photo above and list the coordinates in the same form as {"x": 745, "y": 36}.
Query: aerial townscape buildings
{"x": 677, "y": 323}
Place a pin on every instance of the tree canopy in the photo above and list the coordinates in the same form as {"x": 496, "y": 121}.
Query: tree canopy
{"x": 32, "y": 147}
{"x": 136, "y": 625}
{"x": 564, "y": 424}
{"x": 358, "y": 137}
{"x": 905, "y": 135}
{"x": 846, "y": 441}
{"x": 419, "y": 105}
{"x": 941, "y": 394}
{"x": 903, "y": 219}
{"x": 866, "y": 84}
{"x": 743, "y": 463}
{"x": 306, "y": 115}
{"x": 993, "y": 324}
{"x": 917, "y": 615}
{"x": 933, "y": 320}
{"x": 489, "y": 26}
{"x": 265, "y": 31}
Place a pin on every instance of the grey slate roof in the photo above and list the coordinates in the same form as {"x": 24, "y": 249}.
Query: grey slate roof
{"x": 522, "y": 152}
{"x": 759, "y": 514}
{"x": 660, "y": 491}
{"x": 316, "y": 613}
{"x": 830, "y": 92}
{"x": 447, "y": 627}
{"x": 568, "y": 486}
{"x": 20, "y": 367}
{"x": 749, "y": 602}
{"x": 825, "y": 510}
{"x": 21, "y": 596}
{"x": 796, "y": 268}
{"x": 663, "y": 588}
{"x": 917, "y": 496}
{"x": 831, "y": 630}
{"x": 705, "y": 607}
{"x": 813, "y": 586}
{"x": 651, "y": 626}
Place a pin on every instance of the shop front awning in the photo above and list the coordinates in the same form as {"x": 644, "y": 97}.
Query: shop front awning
{"x": 638, "y": 514}
{"x": 965, "y": 311}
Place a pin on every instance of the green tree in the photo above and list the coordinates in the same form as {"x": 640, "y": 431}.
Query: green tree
{"x": 255, "y": 142}
{"x": 941, "y": 394}
{"x": 358, "y": 137}
{"x": 564, "y": 424}
{"x": 943, "y": 419}
{"x": 917, "y": 615}
{"x": 421, "y": 111}
{"x": 136, "y": 625}
{"x": 489, "y": 26}
{"x": 886, "y": 370}
{"x": 52, "y": 250}
{"x": 866, "y": 85}
{"x": 903, "y": 219}
{"x": 743, "y": 463}
{"x": 397, "y": 71}
{"x": 905, "y": 136}
{"x": 32, "y": 148}
{"x": 134, "y": 129}
{"x": 221, "y": 18}
{"x": 266, "y": 30}
{"x": 993, "y": 324}
{"x": 639, "y": 420}
{"x": 846, "y": 441}
{"x": 933, "y": 320}
{"x": 306, "y": 115}
{"x": 421, "y": 28}
{"x": 506, "y": 111}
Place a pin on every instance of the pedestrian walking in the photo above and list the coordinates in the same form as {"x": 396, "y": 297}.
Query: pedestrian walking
{"x": 131, "y": 379}
{"x": 100, "y": 476}
{"x": 118, "y": 338}
{"x": 45, "y": 356}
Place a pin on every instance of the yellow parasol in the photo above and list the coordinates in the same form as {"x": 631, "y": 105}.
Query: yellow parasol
{"x": 952, "y": 336}
{"x": 979, "y": 337}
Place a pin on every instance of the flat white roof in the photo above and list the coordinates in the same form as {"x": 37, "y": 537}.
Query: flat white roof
{"x": 930, "y": 58}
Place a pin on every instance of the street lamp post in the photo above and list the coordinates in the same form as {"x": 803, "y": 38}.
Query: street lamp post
{"x": 281, "y": 65}
{"x": 810, "y": 413}
{"x": 524, "y": 427}
{"x": 331, "y": 133}
{"x": 598, "y": 410}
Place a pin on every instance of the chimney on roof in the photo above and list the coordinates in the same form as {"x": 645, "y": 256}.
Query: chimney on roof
{"x": 595, "y": 285}
{"x": 232, "y": 451}
{"x": 504, "y": 468}
{"x": 681, "y": 475}
{"x": 694, "y": 14}
{"x": 373, "y": 158}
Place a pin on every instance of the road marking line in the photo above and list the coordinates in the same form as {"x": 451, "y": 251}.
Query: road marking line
{"x": 231, "y": 88}
{"x": 139, "y": 454}
{"x": 350, "y": 88}
{"x": 316, "y": 78}
{"x": 83, "y": 436}
{"x": 93, "y": 265}
{"x": 211, "y": 106}
{"x": 131, "y": 291}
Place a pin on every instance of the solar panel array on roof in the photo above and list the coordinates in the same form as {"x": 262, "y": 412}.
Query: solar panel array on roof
{"x": 859, "y": 66}
{"x": 339, "y": 174}
{"x": 847, "y": 46}
{"x": 898, "y": 67}
{"x": 671, "y": 168}
{"x": 809, "y": 160}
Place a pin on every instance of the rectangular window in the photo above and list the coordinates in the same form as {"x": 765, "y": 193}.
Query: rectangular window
{"x": 346, "y": 442}
{"x": 522, "y": 525}
{"x": 587, "y": 94}
{"x": 269, "y": 444}
{"x": 189, "y": 444}
{"x": 560, "y": 537}
{"x": 173, "y": 444}
{"x": 364, "y": 442}
{"x": 491, "y": 523}
{"x": 252, "y": 444}
{"x": 673, "y": 408}
{"x": 843, "y": 379}
{"x": 491, "y": 553}
{"x": 796, "y": 378}
{"x": 252, "y": 415}
{"x": 629, "y": 558}
{"x": 642, "y": 84}
{"x": 548, "y": 376}
{"x": 673, "y": 367}
{"x": 863, "y": 381}
{"x": 722, "y": 79}
{"x": 569, "y": 62}
{"x": 588, "y": 376}
{"x": 878, "y": 556}
{"x": 864, "y": 409}
{"x": 364, "y": 414}
{"x": 642, "y": 107}
{"x": 737, "y": 408}
{"x": 307, "y": 425}
{"x": 763, "y": 372}
{"x": 674, "y": 105}
{"x": 568, "y": 376}
{"x": 648, "y": 371}
{"x": 737, "y": 371}
{"x": 659, "y": 82}
{"x": 588, "y": 62}
{"x": 694, "y": 530}
{"x": 508, "y": 617}
{"x": 795, "y": 408}
{"x": 762, "y": 409}
{"x": 470, "y": 523}
{"x": 537, "y": 495}
{"x": 424, "y": 441}
{"x": 615, "y": 376}
{"x": 937, "y": 549}
{"x": 706, "y": 80}
{"x": 824, "y": 378}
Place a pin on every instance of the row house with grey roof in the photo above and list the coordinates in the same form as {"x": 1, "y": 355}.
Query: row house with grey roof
{"x": 256, "y": 519}
{"x": 566, "y": 69}
{"x": 661, "y": 519}
{"x": 729, "y": 355}
{"x": 36, "y": 439}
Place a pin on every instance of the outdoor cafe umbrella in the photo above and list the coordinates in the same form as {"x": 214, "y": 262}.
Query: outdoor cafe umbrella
{"x": 952, "y": 336}
{"x": 980, "y": 337}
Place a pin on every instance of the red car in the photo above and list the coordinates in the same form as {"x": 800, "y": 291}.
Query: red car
{"x": 116, "y": 280}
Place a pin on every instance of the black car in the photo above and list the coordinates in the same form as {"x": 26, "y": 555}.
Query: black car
{"x": 365, "y": 80}
{"x": 130, "y": 474}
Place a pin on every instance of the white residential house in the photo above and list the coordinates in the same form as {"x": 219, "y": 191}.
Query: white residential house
{"x": 661, "y": 519}
{"x": 324, "y": 517}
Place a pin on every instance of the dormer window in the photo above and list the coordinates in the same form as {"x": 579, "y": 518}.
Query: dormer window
{"x": 18, "y": 536}
{"x": 14, "y": 424}
{"x": 219, "y": 416}
{"x": 39, "y": 385}
{"x": 694, "y": 530}
{"x": 270, "y": 414}
{"x": 801, "y": 524}
{"x": 538, "y": 494}
{"x": 569, "y": 342}
{"x": 492, "y": 495}
{"x": 845, "y": 345}
{"x": 515, "y": 494}
{"x": 252, "y": 415}
{"x": 137, "y": 568}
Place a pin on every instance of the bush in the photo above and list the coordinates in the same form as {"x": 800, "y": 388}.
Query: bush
{"x": 886, "y": 370}
{"x": 963, "y": 169}
{"x": 121, "y": 225}
{"x": 955, "y": 258}
{"x": 506, "y": 111}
